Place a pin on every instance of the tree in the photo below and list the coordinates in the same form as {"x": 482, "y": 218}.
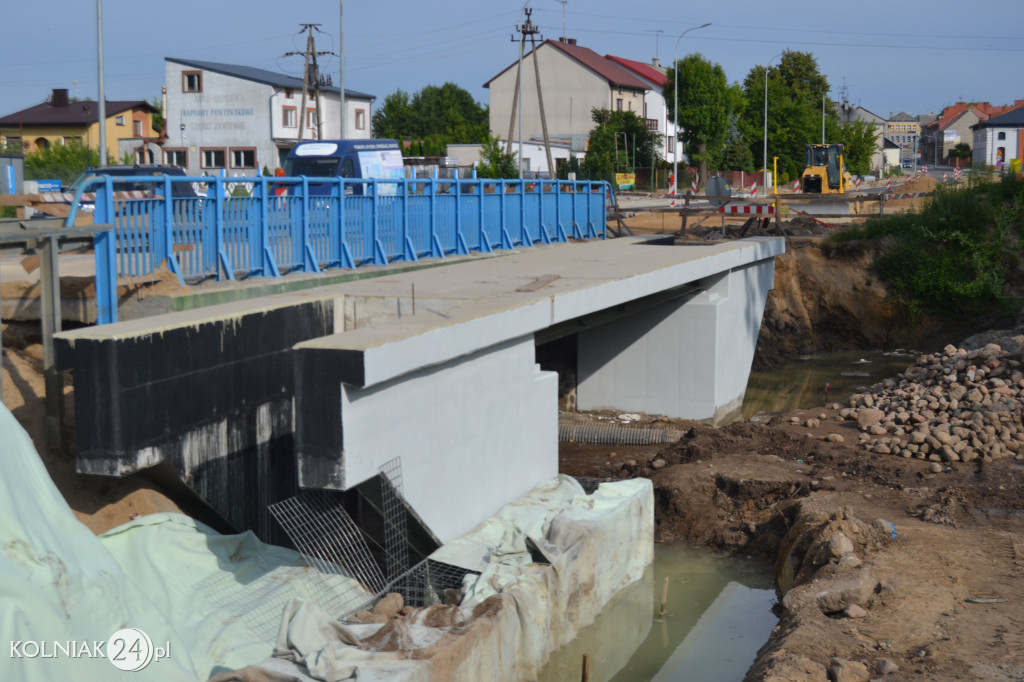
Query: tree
{"x": 59, "y": 162}
{"x": 434, "y": 117}
{"x": 706, "y": 108}
{"x": 616, "y": 141}
{"x": 795, "y": 96}
{"x": 859, "y": 140}
{"x": 494, "y": 162}
{"x": 961, "y": 150}
{"x": 158, "y": 115}
{"x": 393, "y": 118}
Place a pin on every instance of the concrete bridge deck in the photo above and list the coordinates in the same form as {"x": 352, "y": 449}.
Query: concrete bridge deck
{"x": 248, "y": 401}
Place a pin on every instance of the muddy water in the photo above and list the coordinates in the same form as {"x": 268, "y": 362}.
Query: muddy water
{"x": 802, "y": 383}
{"x": 717, "y": 616}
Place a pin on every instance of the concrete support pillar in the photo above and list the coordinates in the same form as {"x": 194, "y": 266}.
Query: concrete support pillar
{"x": 473, "y": 433}
{"x": 688, "y": 358}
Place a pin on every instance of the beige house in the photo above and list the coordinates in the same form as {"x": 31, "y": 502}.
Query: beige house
{"x": 574, "y": 81}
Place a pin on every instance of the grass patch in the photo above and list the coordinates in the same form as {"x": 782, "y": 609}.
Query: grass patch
{"x": 952, "y": 257}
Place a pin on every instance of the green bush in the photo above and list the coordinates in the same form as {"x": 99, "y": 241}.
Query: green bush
{"x": 952, "y": 257}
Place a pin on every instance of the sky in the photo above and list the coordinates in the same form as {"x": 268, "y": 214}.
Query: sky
{"x": 885, "y": 56}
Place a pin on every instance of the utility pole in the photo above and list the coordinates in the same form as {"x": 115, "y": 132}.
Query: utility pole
{"x": 341, "y": 58}
{"x": 564, "y": 3}
{"x": 532, "y": 30}
{"x": 310, "y": 77}
{"x": 102, "y": 103}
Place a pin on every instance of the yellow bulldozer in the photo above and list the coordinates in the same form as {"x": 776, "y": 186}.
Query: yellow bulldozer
{"x": 823, "y": 171}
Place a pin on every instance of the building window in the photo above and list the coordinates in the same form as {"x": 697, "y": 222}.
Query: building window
{"x": 360, "y": 119}
{"x": 191, "y": 81}
{"x": 175, "y": 157}
{"x": 631, "y": 105}
{"x": 13, "y": 144}
{"x": 289, "y": 93}
{"x": 311, "y": 118}
{"x": 243, "y": 158}
{"x": 137, "y": 128}
{"x": 143, "y": 155}
{"x": 68, "y": 140}
{"x": 618, "y": 103}
{"x": 288, "y": 117}
{"x": 652, "y": 124}
{"x": 1001, "y": 136}
{"x": 119, "y": 120}
{"x": 211, "y": 158}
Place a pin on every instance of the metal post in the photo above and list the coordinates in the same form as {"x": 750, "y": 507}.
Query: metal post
{"x": 102, "y": 103}
{"x": 49, "y": 281}
{"x": 675, "y": 111}
{"x": 764, "y": 156}
{"x": 341, "y": 58}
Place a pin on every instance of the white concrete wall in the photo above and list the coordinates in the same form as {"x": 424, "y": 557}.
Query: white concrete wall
{"x": 473, "y": 433}
{"x": 687, "y": 360}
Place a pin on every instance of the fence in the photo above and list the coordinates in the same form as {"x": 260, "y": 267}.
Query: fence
{"x": 293, "y": 224}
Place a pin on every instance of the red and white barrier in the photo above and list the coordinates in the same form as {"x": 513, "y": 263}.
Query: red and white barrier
{"x": 753, "y": 189}
{"x": 796, "y": 185}
{"x": 888, "y": 185}
{"x": 856, "y": 184}
{"x": 693, "y": 186}
{"x": 958, "y": 173}
{"x": 945, "y": 176}
{"x": 748, "y": 210}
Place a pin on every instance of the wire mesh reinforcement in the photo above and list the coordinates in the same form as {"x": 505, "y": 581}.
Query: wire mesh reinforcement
{"x": 613, "y": 434}
{"x": 328, "y": 538}
{"x": 396, "y": 533}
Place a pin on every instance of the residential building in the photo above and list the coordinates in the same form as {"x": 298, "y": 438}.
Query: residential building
{"x": 574, "y": 80}
{"x": 240, "y": 119}
{"x": 61, "y": 121}
{"x": 904, "y": 130}
{"x": 954, "y": 126}
{"x": 999, "y": 141}
{"x": 849, "y": 113}
{"x": 655, "y": 108}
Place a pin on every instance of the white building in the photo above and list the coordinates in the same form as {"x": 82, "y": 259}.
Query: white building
{"x": 242, "y": 119}
{"x": 655, "y": 112}
{"x": 999, "y": 140}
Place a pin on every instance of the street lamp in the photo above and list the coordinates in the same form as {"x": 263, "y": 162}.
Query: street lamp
{"x": 675, "y": 112}
{"x": 764, "y": 156}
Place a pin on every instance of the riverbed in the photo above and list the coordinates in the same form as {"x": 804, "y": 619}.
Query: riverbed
{"x": 820, "y": 378}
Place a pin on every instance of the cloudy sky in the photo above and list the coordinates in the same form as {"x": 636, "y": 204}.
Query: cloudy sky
{"x": 886, "y": 56}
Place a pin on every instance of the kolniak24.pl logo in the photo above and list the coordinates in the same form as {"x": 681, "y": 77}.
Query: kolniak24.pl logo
{"x": 128, "y": 649}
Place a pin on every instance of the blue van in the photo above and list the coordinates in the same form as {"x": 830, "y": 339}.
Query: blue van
{"x": 357, "y": 159}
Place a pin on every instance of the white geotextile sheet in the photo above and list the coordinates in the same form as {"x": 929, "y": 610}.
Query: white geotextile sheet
{"x": 216, "y": 599}
{"x": 220, "y": 603}
{"x": 554, "y": 557}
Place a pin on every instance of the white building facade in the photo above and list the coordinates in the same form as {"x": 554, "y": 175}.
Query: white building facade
{"x": 999, "y": 140}
{"x": 239, "y": 120}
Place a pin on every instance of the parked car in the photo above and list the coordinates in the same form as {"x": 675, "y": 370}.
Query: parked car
{"x": 125, "y": 181}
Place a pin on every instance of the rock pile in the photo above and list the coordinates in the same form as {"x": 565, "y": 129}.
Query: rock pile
{"x": 953, "y": 406}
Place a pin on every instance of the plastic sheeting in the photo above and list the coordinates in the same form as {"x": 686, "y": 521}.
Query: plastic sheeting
{"x": 216, "y": 604}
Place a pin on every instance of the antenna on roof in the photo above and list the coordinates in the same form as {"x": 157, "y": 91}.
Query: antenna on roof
{"x": 656, "y": 32}
{"x": 564, "y": 3}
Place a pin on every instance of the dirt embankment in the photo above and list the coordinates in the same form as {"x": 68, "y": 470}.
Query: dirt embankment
{"x": 895, "y": 520}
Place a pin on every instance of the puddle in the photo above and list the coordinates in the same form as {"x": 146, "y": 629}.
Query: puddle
{"x": 718, "y": 615}
{"x": 801, "y": 384}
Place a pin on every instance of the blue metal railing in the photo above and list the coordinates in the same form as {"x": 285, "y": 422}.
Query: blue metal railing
{"x": 280, "y": 227}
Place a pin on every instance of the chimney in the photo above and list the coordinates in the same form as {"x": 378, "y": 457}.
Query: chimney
{"x": 561, "y": 39}
{"x": 60, "y": 97}
{"x": 655, "y": 63}
{"x": 571, "y": 41}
